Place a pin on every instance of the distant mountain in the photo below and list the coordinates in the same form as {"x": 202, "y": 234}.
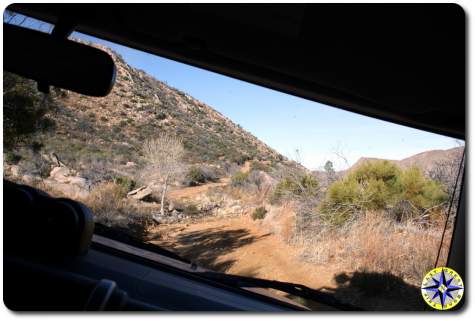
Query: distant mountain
{"x": 426, "y": 161}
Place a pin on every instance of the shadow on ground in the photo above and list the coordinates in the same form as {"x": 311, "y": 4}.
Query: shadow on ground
{"x": 373, "y": 291}
{"x": 205, "y": 247}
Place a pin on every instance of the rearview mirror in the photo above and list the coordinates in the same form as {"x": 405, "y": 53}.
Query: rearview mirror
{"x": 57, "y": 62}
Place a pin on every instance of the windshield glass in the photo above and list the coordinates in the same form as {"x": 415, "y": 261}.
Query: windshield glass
{"x": 242, "y": 179}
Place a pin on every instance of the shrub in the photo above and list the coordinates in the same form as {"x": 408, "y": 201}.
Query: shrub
{"x": 381, "y": 185}
{"x": 255, "y": 179}
{"x": 23, "y": 112}
{"x": 199, "y": 175}
{"x": 341, "y": 202}
{"x": 296, "y": 186}
{"x": 42, "y": 167}
{"x": 36, "y": 146}
{"x": 384, "y": 170}
{"x": 259, "y": 213}
{"x": 124, "y": 185}
{"x": 112, "y": 210}
{"x": 84, "y": 125}
{"x": 160, "y": 115}
{"x": 46, "y": 124}
{"x": 104, "y": 200}
{"x": 190, "y": 210}
{"x": 239, "y": 159}
{"x": 239, "y": 179}
{"x": 377, "y": 243}
{"x": 12, "y": 158}
{"x": 258, "y": 166}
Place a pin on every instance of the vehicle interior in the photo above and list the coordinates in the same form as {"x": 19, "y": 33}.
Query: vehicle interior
{"x": 403, "y": 63}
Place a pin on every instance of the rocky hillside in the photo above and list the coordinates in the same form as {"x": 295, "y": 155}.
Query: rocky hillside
{"x": 142, "y": 106}
{"x": 97, "y": 135}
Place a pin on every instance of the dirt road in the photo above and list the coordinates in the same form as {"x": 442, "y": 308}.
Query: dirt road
{"x": 194, "y": 191}
{"x": 244, "y": 247}
{"x": 241, "y": 246}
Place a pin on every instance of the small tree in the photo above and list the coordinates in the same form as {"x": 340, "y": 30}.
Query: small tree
{"x": 24, "y": 110}
{"x": 330, "y": 172}
{"x": 164, "y": 156}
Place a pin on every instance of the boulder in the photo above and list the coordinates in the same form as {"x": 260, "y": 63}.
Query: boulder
{"x": 15, "y": 170}
{"x": 157, "y": 218}
{"x": 78, "y": 181}
{"x": 130, "y": 164}
{"x": 70, "y": 190}
{"x": 60, "y": 174}
{"x": 65, "y": 175}
{"x": 140, "y": 193}
{"x": 30, "y": 180}
{"x": 171, "y": 206}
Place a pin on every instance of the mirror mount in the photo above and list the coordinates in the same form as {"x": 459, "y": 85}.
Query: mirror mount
{"x": 61, "y": 30}
{"x": 52, "y": 60}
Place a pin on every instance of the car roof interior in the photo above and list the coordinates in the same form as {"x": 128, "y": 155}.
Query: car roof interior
{"x": 403, "y": 63}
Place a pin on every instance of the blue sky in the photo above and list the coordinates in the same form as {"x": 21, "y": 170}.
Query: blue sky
{"x": 284, "y": 122}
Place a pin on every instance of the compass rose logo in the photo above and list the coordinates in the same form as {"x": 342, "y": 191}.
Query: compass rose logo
{"x": 442, "y": 288}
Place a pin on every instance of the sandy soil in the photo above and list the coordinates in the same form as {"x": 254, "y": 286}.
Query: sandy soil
{"x": 241, "y": 246}
{"x": 245, "y": 247}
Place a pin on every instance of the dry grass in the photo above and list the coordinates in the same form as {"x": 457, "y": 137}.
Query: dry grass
{"x": 376, "y": 243}
{"x": 111, "y": 209}
{"x": 105, "y": 200}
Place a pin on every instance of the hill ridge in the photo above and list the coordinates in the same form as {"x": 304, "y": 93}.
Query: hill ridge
{"x": 425, "y": 160}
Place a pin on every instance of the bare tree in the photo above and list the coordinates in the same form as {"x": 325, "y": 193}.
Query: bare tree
{"x": 445, "y": 171}
{"x": 341, "y": 154}
{"x": 164, "y": 156}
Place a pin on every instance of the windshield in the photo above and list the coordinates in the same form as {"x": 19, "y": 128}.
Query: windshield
{"x": 242, "y": 179}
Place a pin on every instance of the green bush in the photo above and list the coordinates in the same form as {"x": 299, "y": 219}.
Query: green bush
{"x": 160, "y": 115}
{"x": 239, "y": 179}
{"x": 421, "y": 191}
{"x": 383, "y": 170}
{"x": 258, "y": 166}
{"x": 125, "y": 185}
{"x": 23, "y": 110}
{"x": 303, "y": 185}
{"x": 12, "y": 158}
{"x": 340, "y": 202}
{"x": 239, "y": 159}
{"x": 381, "y": 185}
{"x": 199, "y": 175}
{"x": 259, "y": 213}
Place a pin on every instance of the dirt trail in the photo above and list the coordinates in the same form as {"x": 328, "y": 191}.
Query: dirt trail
{"x": 241, "y": 246}
{"x": 237, "y": 245}
{"x": 244, "y": 247}
{"x": 194, "y": 191}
